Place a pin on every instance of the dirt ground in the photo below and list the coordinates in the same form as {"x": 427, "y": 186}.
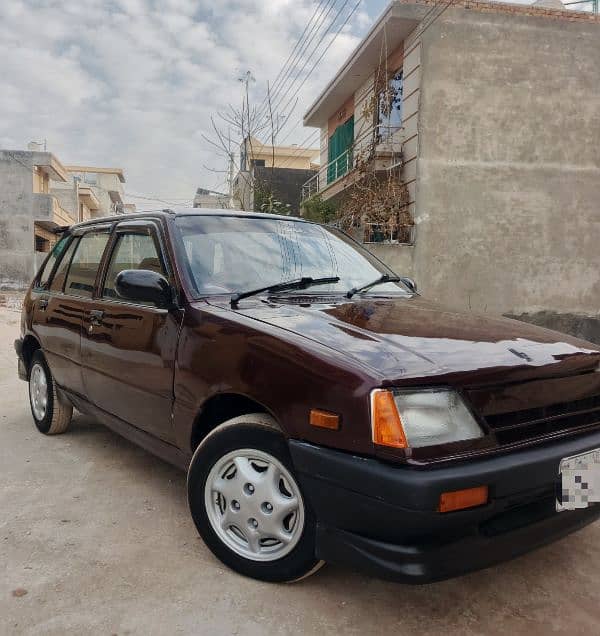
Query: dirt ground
{"x": 95, "y": 537}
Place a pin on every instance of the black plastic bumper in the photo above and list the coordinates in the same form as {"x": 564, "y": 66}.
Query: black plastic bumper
{"x": 21, "y": 368}
{"x": 383, "y": 518}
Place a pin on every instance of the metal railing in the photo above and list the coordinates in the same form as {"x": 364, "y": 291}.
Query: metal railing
{"x": 595, "y": 5}
{"x": 382, "y": 234}
{"x": 345, "y": 162}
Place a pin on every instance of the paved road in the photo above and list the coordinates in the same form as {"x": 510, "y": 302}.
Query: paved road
{"x": 98, "y": 533}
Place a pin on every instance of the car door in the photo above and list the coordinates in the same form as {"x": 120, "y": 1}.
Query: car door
{"x": 128, "y": 348}
{"x": 59, "y": 306}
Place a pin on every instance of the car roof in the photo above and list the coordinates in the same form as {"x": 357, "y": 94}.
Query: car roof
{"x": 185, "y": 211}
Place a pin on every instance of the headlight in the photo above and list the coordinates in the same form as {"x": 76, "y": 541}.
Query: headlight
{"x": 405, "y": 419}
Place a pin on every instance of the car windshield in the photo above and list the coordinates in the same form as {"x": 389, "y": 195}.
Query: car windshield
{"x": 228, "y": 254}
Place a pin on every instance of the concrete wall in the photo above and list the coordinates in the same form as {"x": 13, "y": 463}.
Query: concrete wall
{"x": 17, "y": 260}
{"x": 286, "y": 184}
{"x": 66, "y": 197}
{"x": 508, "y": 170}
{"x": 397, "y": 257}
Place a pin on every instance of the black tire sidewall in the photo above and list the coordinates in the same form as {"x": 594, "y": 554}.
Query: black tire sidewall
{"x": 43, "y": 425}
{"x": 301, "y": 560}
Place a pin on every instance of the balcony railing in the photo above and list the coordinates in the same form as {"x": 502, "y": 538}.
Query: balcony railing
{"x": 381, "y": 138}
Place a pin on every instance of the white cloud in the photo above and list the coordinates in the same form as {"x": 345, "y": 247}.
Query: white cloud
{"x": 132, "y": 83}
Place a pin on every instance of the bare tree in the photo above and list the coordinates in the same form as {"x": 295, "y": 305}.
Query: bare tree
{"x": 233, "y": 135}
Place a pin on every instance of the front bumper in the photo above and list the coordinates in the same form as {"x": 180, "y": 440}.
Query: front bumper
{"x": 383, "y": 518}
{"x": 22, "y": 369}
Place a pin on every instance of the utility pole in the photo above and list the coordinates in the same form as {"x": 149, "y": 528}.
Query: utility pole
{"x": 230, "y": 178}
{"x": 247, "y": 124}
{"x": 78, "y": 214}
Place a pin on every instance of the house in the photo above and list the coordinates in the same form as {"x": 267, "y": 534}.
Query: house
{"x": 270, "y": 178}
{"x": 487, "y": 115}
{"x": 38, "y": 194}
{"x": 210, "y": 199}
{"x": 105, "y": 183}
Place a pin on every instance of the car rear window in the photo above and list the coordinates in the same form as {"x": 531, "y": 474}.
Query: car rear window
{"x": 84, "y": 266}
{"x": 58, "y": 280}
{"x": 55, "y": 255}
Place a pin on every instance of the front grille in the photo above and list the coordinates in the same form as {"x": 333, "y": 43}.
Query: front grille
{"x": 546, "y": 420}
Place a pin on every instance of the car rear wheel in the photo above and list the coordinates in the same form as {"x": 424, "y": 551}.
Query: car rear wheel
{"x": 247, "y": 504}
{"x": 51, "y": 415}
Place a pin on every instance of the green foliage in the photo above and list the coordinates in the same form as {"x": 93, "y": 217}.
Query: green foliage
{"x": 265, "y": 201}
{"x": 315, "y": 209}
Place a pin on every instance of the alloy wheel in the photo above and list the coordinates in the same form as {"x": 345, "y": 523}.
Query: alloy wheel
{"x": 38, "y": 391}
{"x": 254, "y": 505}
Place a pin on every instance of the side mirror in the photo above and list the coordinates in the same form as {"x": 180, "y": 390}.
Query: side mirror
{"x": 144, "y": 286}
{"x": 410, "y": 283}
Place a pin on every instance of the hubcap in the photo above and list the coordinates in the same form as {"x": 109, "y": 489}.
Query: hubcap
{"x": 38, "y": 391}
{"x": 254, "y": 505}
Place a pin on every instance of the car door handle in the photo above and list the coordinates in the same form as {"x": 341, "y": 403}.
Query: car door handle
{"x": 43, "y": 303}
{"x": 96, "y": 316}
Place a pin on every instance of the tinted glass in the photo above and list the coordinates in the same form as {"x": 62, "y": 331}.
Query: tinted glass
{"x": 58, "y": 280}
{"x": 85, "y": 263}
{"x": 132, "y": 251}
{"x": 55, "y": 255}
{"x": 231, "y": 254}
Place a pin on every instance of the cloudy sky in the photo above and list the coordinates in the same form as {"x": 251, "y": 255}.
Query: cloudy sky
{"x": 133, "y": 83}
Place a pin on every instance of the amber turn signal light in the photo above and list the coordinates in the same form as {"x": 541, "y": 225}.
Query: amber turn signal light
{"x": 385, "y": 420}
{"x": 324, "y": 419}
{"x": 461, "y": 499}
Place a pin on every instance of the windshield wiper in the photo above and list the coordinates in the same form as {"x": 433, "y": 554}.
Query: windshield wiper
{"x": 384, "y": 278}
{"x": 298, "y": 283}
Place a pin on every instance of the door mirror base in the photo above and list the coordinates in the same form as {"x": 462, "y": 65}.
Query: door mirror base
{"x": 410, "y": 283}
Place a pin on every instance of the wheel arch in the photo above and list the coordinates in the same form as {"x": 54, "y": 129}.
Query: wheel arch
{"x": 30, "y": 345}
{"x": 220, "y": 408}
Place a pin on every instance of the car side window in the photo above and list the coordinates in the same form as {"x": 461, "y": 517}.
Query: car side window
{"x": 84, "y": 266}
{"x": 57, "y": 251}
{"x": 58, "y": 280}
{"x": 132, "y": 250}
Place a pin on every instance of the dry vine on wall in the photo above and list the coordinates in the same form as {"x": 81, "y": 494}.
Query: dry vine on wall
{"x": 377, "y": 194}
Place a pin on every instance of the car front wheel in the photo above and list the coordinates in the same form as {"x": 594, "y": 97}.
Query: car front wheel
{"x": 247, "y": 504}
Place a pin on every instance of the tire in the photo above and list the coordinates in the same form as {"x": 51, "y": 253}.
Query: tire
{"x": 51, "y": 415}
{"x": 247, "y": 504}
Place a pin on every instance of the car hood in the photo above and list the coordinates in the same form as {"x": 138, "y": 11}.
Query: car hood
{"x": 408, "y": 339}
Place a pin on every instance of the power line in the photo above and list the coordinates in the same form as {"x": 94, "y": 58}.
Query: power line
{"x": 355, "y": 7}
{"x": 424, "y": 28}
{"x": 308, "y": 59}
{"x": 313, "y": 34}
{"x": 450, "y": 2}
{"x": 302, "y": 47}
{"x": 313, "y": 137}
{"x": 172, "y": 201}
{"x": 323, "y": 12}
{"x": 316, "y": 134}
{"x": 300, "y": 39}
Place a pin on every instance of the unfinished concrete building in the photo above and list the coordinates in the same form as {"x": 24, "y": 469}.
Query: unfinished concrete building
{"x": 495, "y": 130}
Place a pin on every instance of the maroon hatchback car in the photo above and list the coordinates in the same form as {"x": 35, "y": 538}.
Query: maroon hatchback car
{"x": 323, "y": 410}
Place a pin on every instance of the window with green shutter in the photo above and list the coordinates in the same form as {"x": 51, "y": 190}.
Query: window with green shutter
{"x": 339, "y": 153}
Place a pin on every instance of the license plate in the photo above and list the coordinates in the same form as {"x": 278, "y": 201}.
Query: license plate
{"x": 580, "y": 481}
